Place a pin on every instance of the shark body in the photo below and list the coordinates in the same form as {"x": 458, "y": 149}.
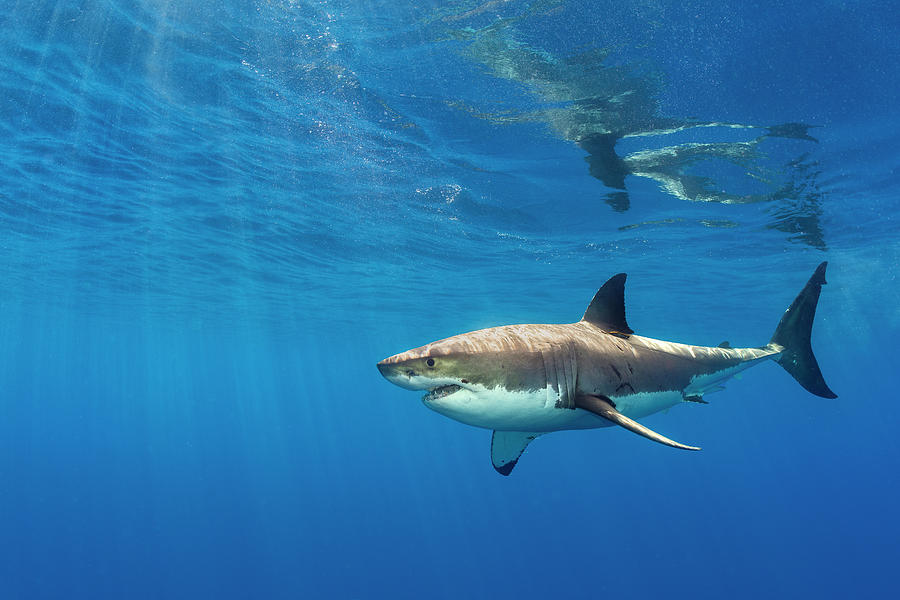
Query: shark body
{"x": 526, "y": 380}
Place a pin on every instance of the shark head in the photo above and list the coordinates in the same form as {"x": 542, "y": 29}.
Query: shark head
{"x": 449, "y": 378}
{"x": 466, "y": 377}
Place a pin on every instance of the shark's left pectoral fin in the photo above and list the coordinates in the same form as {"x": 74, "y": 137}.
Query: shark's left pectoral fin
{"x": 604, "y": 407}
{"x": 507, "y": 447}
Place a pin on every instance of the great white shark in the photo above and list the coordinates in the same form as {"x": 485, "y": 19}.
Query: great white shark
{"x": 526, "y": 380}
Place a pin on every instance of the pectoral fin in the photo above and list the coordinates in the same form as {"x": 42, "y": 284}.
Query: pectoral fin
{"x": 604, "y": 407}
{"x": 507, "y": 447}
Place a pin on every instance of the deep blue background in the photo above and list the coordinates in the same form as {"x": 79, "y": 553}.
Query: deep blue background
{"x": 215, "y": 220}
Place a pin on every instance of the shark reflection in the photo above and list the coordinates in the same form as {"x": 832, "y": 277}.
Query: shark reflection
{"x": 596, "y": 105}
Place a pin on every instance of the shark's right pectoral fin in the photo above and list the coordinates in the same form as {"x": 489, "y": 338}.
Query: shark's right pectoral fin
{"x": 507, "y": 447}
{"x": 604, "y": 407}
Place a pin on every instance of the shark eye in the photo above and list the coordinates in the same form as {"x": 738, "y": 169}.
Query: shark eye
{"x": 430, "y": 362}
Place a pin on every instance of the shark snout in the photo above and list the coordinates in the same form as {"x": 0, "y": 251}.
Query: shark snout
{"x": 384, "y": 367}
{"x": 387, "y": 368}
{"x": 399, "y": 374}
{"x": 391, "y": 365}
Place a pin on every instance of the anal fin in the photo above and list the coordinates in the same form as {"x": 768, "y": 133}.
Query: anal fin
{"x": 507, "y": 447}
{"x": 604, "y": 407}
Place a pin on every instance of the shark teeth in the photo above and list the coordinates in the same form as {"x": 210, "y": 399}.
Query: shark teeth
{"x": 440, "y": 392}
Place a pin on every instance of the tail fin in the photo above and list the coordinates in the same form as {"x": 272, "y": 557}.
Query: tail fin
{"x": 793, "y": 333}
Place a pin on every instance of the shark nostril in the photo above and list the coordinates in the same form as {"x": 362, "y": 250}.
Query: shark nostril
{"x": 410, "y": 373}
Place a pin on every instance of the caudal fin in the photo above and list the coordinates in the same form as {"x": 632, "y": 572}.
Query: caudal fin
{"x": 793, "y": 334}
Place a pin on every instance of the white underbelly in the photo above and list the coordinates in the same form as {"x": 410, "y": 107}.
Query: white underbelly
{"x": 503, "y": 410}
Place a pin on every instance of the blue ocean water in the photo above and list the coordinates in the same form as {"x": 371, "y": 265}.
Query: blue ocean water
{"x": 215, "y": 219}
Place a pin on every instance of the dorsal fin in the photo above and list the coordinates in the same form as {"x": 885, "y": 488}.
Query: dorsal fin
{"x": 725, "y": 344}
{"x": 607, "y": 309}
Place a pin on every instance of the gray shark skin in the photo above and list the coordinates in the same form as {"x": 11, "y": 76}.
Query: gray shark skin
{"x": 526, "y": 380}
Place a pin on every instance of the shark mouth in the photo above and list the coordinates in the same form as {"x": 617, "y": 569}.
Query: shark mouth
{"x": 441, "y": 392}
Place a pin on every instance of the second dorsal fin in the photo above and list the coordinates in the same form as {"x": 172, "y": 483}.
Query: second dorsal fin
{"x": 607, "y": 309}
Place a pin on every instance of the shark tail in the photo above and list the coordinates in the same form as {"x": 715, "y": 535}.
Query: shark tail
{"x": 793, "y": 335}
